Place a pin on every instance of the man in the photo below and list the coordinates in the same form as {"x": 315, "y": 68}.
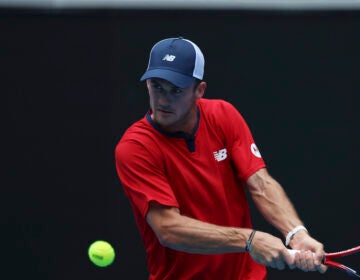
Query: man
{"x": 185, "y": 167}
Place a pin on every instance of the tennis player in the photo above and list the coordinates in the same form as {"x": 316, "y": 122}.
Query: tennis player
{"x": 185, "y": 168}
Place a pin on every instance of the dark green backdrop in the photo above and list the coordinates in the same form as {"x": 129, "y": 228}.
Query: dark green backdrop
{"x": 69, "y": 88}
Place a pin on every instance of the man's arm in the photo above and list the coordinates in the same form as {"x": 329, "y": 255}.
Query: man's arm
{"x": 189, "y": 235}
{"x": 193, "y": 236}
{"x": 273, "y": 203}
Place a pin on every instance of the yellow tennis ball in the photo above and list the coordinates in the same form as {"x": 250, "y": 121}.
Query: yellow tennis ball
{"x": 101, "y": 253}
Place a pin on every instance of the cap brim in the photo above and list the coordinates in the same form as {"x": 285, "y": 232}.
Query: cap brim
{"x": 178, "y": 79}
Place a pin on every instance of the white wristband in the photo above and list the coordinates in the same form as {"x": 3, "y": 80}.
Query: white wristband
{"x": 291, "y": 234}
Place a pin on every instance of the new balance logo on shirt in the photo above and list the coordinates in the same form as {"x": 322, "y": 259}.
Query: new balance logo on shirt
{"x": 220, "y": 155}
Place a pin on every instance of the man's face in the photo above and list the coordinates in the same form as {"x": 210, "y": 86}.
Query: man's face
{"x": 173, "y": 108}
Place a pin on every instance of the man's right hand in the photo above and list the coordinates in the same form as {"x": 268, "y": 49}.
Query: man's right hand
{"x": 270, "y": 251}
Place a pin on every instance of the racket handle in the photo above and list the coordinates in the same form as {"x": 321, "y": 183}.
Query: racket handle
{"x": 293, "y": 252}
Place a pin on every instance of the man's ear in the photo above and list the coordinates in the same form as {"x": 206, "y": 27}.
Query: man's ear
{"x": 148, "y": 83}
{"x": 200, "y": 90}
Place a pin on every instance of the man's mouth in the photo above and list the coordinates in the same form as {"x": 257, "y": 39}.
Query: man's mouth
{"x": 165, "y": 111}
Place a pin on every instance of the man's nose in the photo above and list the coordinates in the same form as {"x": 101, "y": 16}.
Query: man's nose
{"x": 165, "y": 98}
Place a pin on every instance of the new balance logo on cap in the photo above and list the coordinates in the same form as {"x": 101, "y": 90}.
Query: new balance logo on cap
{"x": 169, "y": 57}
{"x": 220, "y": 155}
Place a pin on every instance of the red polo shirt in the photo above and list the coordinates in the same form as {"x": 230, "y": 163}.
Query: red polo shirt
{"x": 202, "y": 175}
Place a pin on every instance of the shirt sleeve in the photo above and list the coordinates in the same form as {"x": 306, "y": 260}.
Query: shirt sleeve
{"x": 141, "y": 176}
{"x": 244, "y": 152}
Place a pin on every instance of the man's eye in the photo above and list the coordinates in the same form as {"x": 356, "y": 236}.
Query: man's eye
{"x": 177, "y": 91}
{"x": 157, "y": 86}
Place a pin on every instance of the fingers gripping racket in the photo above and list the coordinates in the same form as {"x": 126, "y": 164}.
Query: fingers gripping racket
{"x": 328, "y": 259}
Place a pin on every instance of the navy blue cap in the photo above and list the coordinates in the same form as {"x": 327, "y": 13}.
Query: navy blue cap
{"x": 176, "y": 60}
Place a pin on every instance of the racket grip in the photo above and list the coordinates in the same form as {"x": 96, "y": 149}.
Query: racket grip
{"x": 293, "y": 252}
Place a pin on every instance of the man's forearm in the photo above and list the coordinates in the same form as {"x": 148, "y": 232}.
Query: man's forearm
{"x": 193, "y": 236}
{"x": 273, "y": 203}
{"x": 182, "y": 233}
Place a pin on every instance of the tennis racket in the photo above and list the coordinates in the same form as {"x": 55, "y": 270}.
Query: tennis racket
{"x": 328, "y": 259}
